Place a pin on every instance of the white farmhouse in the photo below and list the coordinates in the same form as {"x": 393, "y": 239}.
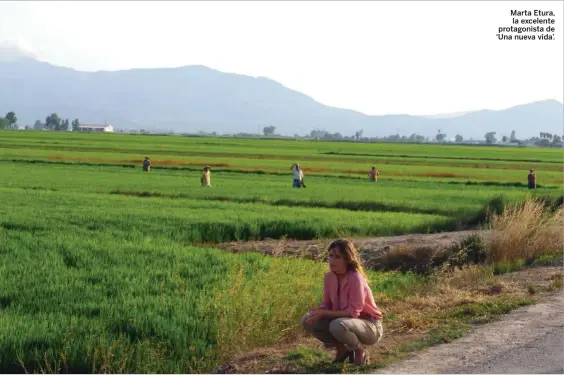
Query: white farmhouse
{"x": 96, "y": 128}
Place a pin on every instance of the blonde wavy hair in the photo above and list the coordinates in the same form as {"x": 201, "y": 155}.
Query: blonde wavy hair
{"x": 350, "y": 254}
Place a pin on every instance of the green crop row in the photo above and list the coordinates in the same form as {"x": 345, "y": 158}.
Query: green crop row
{"x": 282, "y": 167}
{"x": 283, "y": 148}
{"x": 188, "y": 221}
{"x": 107, "y": 284}
{"x": 453, "y": 200}
{"x": 397, "y": 162}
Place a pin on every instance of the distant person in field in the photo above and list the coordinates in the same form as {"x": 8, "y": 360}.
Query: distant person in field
{"x": 146, "y": 164}
{"x": 206, "y": 177}
{"x": 532, "y": 179}
{"x": 348, "y": 318}
{"x": 298, "y": 175}
{"x": 373, "y": 175}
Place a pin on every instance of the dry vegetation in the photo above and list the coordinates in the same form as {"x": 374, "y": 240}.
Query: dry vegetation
{"x": 451, "y": 301}
{"x": 445, "y": 309}
{"x": 525, "y": 231}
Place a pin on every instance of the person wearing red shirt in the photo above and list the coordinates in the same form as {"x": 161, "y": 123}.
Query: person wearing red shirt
{"x": 348, "y": 318}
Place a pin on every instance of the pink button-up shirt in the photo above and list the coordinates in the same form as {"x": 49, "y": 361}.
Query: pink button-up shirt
{"x": 353, "y": 295}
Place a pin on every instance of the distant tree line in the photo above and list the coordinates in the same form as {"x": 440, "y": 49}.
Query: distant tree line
{"x": 545, "y": 139}
{"x": 52, "y": 122}
{"x": 56, "y": 123}
{"x": 489, "y": 138}
{"x": 548, "y": 139}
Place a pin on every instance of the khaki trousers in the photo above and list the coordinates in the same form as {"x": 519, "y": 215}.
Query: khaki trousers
{"x": 352, "y": 332}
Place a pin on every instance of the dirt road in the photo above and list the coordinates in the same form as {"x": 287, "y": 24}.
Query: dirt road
{"x": 528, "y": 340}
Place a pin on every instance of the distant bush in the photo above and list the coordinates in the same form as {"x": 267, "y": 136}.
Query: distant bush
{"x": 419, "y": 260}
{"x": 472, "y": 249}
{"x": 494, "y": 206}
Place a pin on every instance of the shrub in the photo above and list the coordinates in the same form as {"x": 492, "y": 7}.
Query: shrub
{"x": 494, "y": 206}
{"x": 420, "y": 260}
{"x": 525, "y": 231}
{"x": 472, "y": 249}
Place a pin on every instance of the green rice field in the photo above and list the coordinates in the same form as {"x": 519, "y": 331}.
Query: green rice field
{"x": 102, "y": 264}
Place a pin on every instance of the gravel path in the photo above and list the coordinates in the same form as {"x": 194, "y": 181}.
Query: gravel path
{"x": 528, "y": 340}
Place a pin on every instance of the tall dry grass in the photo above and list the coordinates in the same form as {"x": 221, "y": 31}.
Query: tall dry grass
{"x": 524, "y": 231}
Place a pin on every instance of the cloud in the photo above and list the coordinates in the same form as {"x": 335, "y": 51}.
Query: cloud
{"x": 10, "y": 49}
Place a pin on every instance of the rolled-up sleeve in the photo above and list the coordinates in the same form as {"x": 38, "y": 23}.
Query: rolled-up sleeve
{"x": 326, "y": 301}
{"x": 356, "y": 295}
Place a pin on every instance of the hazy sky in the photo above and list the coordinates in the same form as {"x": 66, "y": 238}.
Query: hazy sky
{"x": 375, "y": 57}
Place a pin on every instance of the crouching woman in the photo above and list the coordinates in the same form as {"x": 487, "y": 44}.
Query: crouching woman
{"x": 348, "y": 318}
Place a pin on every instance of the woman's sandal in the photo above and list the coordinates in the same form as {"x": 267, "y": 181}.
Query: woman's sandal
{"x": 349, "y": 354}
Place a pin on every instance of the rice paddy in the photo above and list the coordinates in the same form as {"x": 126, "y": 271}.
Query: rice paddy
{"x": 100, "y": 269}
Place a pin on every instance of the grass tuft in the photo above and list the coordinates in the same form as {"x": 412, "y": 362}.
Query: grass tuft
{"x": 525, "y": 231}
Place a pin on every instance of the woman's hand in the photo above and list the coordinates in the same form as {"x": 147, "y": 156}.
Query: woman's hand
{"x": 315, "y": 315}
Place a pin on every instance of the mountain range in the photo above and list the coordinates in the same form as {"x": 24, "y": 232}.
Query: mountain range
{"x": 198, "y": 98}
